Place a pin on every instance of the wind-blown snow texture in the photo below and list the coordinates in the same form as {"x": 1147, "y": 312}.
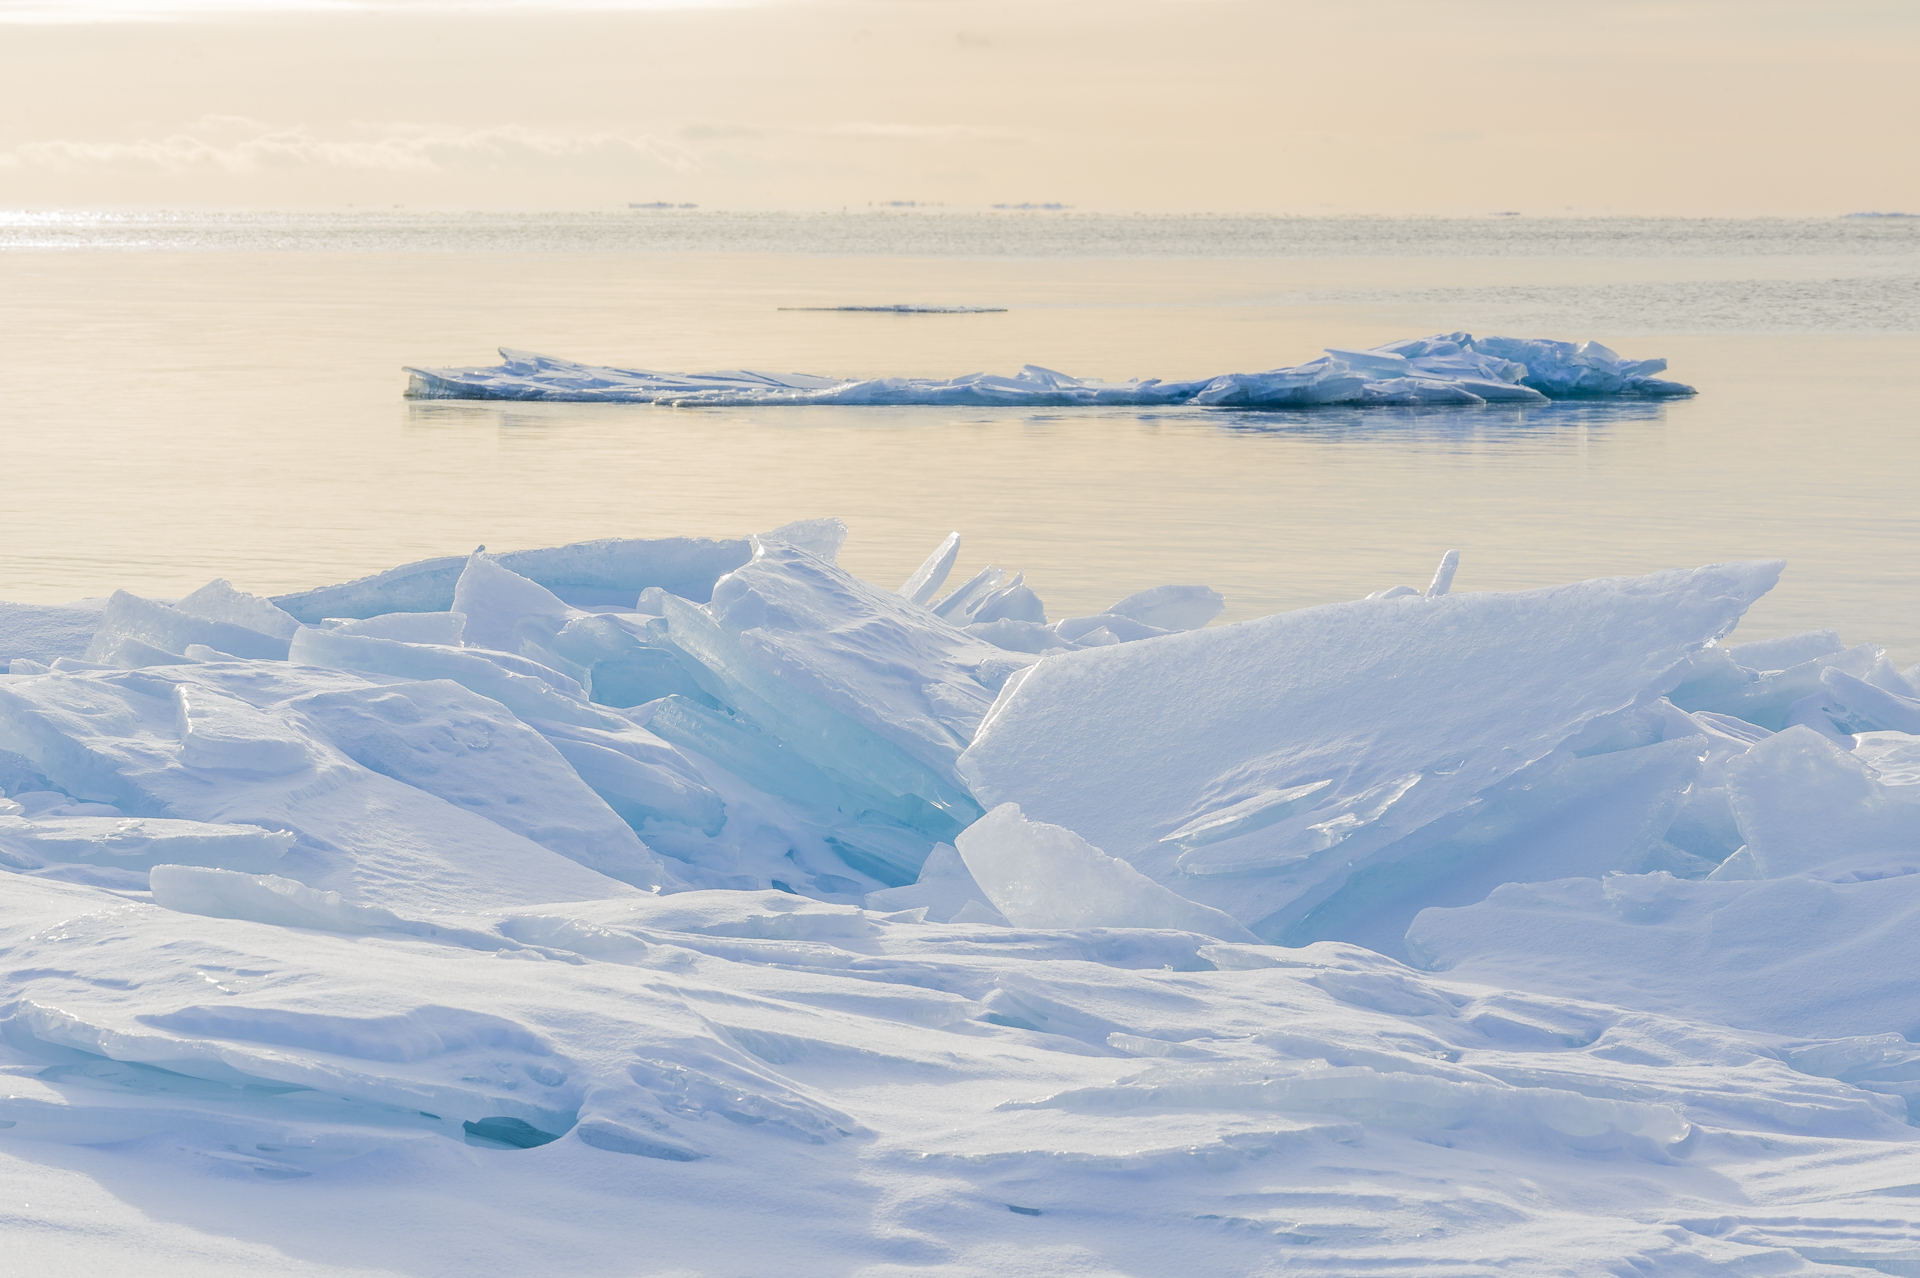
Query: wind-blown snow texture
{"x": 1448, "y": 368}
{"x": 697, "y": 907}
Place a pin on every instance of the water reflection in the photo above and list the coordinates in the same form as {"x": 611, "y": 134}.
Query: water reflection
{"x": 1442, "y": 420}
{"x": 1401, "y": 423}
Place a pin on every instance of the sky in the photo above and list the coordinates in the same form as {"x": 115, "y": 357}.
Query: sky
{"x": 1693, "y": 107}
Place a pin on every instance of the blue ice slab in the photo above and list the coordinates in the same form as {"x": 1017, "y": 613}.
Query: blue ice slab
{"x": 626, "y": 668}
{"x": 885, "y": 835}
{"x": 527, "y": 688}
{"x": 639, "y": 775}
{"x": 741, "y": 748}
{"x": 585, "y": 574}
{"x": 831, "y": 741}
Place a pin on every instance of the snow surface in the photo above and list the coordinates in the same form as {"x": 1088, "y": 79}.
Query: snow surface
{"x": 1447, "y": 368}
{"x": 698, "y": 908}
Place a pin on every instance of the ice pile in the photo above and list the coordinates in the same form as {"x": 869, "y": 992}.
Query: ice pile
{"x": 1449, "y": 368}
{"x": 700, "y": 900}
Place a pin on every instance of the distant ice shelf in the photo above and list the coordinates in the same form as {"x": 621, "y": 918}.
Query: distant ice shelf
{"x": 1449, "y": 368}
{"x": 905, "y": 308}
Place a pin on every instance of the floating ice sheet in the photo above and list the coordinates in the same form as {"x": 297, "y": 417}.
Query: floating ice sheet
{"x": 1449, "y": 368}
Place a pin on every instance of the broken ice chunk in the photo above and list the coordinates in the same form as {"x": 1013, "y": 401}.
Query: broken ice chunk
{"x": 640, "y": 776}
{"x": 759, "y": 759}
{"x": 1779, "y": 654}
{"x": 526, "y": 687}
{"x": 219, "y": 601}
{"x": 1319, "y": 381}
{"x": 931, "y": 575}
{"x": 115, "y": 735}
{"x": 889, "y": 851}
{"x": 1014, "y": 601}
{"x": 1129, "y": 743}
{"x": 1105, "y": 628}
{"x": 1262, "y": 809}
{"x": 1803, "y": 802}
{"x": 1172, "y": 607}
{"x": 1379, "y": 363}
{"x": 1322, "y": 827}
{"x": 1767, "y": 699}
{"x": 1796, "y": 957}
{"x": 130, "y": 653}
{"x": 468, "y": 750}
{"x": 1017, "y": 636}
{"x": 1443, "y": 575}
{"x": 138, "y": 843}
{"x": 623, "y": 665}
{"x": 223, "y": 732}
{"x": 447, "y": 629}
{"x": 266, "y": 898}
{"x": 1893, "y": 756}
{"x": 505, "y": 610}
{"x": 808, "y": 639}
{"x": 822, "y": 537}
{"x": 1566, "y": 817}
{"x": 1865, "y": 708}
{"x": 945, "y": 888}
{"x": 1046, "y": 876}
{"x": 166, "y": 628}
{"x": 958, "y": 606}
{"x": 610, "y": 655}
{"x": 584, "y": 574}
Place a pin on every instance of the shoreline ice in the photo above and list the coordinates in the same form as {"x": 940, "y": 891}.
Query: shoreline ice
{"x": 1448, "y": 368}
{"x": 696, "y": 898}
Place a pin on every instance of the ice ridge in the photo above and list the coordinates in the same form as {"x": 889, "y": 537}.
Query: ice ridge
{"x": 1448, "y": 368}
{"x": 623, "y": 884}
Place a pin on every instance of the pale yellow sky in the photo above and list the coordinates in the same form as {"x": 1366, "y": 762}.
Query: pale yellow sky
{"x": 1284, "y": 106}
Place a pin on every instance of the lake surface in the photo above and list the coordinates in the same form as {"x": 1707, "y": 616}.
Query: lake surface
{"x": 190, "y": 396}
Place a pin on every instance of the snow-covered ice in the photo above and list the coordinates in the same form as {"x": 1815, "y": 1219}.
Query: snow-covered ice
{"x": 1447, "y": 368}
{"x": 684, "y": 906}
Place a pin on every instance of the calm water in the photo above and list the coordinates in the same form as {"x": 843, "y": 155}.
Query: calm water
{"x": 186, "y": 397}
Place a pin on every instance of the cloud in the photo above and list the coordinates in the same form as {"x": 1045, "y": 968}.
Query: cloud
{"x": 238, "y": 145}
{"x": 67, "y": 12}
{"x": 858, "y": 130}
{"x": 392, "y": 149}
{"x": 917, "y": 132}
{"x": 704, "y": 132}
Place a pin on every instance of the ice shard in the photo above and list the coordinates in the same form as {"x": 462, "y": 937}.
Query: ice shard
{"x": 584, "y": 574}
{"x": 1413, "y": 708}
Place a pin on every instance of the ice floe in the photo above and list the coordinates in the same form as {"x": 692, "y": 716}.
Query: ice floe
{"x": 699, "y": 901}
{"x": 1448, "y": 368}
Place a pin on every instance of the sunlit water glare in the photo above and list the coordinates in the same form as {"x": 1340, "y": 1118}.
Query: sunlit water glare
{"x": 189, "y": 396}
